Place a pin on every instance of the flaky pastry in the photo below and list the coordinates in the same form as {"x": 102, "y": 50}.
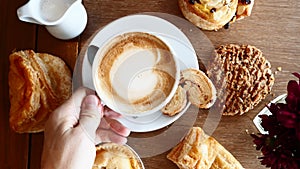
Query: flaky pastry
{"x": 115, "y": 156}
{"x": 177, "y": 103}
{"x": 38, "y": 83}
{"x": 201, "y": 91}
{"x": 198, "y": 151}
{"x": 195, "y": 87}
{"x": 215, "y": 14}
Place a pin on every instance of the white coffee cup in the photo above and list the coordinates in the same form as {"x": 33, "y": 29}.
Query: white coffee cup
{"x": 135, "y": 73}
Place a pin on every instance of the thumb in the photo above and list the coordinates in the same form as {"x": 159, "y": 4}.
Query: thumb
{"x": 90, "y": 115}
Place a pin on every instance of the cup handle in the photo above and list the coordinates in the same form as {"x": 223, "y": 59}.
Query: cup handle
{"x": 91, "y": 52}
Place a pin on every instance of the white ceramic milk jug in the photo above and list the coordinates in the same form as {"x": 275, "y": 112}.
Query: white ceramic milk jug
{"x": 64, "y": 19}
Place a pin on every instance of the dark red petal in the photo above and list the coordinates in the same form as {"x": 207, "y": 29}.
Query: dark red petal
{"x": 293, "y": 88}
{"x": 268, "y": 122}
{"x": 258, "y": 141}
{"x": 298, "y": 131}
{"x": 287, "y": 119}
{"x": 273, "y": 108}
{"x": 287, "y": 114}
{"x": 281, "y": 147}
{"x": 296, "y": 74}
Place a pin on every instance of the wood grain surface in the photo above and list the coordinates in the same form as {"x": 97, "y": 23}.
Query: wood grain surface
{"x": 273, "y": 27}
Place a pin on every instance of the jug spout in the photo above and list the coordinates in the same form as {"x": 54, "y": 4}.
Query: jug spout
{"x": 45, "y": 12}
{"x": 28, "y": 13}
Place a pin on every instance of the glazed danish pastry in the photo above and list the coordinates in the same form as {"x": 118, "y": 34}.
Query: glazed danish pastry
{"x": 244, "y": 8}
{"x": 38, "y": 83}
{"x": 214, "y": 14}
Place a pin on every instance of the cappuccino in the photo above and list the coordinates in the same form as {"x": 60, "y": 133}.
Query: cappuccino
{"x": 135, "y": 73}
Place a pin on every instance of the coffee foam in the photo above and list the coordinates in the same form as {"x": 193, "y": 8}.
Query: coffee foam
{"x": 137, "y": 72}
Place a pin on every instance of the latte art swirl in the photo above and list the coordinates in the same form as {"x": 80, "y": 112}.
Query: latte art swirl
{"x": 137, "y": 72}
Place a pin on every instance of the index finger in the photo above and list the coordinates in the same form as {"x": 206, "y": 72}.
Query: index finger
{"x": 110, "y": 113}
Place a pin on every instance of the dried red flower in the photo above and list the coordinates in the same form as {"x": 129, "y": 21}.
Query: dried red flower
{"x": 281, "y": 146}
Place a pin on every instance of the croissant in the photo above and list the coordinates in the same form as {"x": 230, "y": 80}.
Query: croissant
{"x": 38, "y": 83}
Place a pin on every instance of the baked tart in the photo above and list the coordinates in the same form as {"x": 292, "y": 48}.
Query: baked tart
{"x": 115, "y": 156}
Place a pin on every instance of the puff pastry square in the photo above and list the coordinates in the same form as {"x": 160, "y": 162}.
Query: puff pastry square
{"x": 198, "y": 150}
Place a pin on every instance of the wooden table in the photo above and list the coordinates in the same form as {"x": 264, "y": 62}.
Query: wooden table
{"x": 274, "y": 27}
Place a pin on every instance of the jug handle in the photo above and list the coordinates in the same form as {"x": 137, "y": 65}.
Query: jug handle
{"x": 25, "y": 14}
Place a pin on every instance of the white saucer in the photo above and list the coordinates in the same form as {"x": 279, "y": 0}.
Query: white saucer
{"x": 183, "y": 48}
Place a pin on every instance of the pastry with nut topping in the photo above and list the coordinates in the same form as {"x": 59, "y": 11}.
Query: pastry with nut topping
{"x": 215, "y": 14}
{"x": 243, "y": 77}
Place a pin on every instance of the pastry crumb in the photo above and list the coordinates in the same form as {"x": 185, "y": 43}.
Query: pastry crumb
{"x": 279, "y": 69}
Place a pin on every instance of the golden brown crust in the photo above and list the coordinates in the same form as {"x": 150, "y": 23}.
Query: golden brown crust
{"x": 208, "y": 14}
{"x": 214, "y": 14}
{"x": 244, "y": 9}
{"x": 177, "y": 103}
{"x": 38, "y": 83}
{"x": 201, "y": 91}
{"x": 195, "y": 87}
{"x": 112, "y": 156}
{"x": 198, "y": 150}
{"x": 246, "y": 79}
